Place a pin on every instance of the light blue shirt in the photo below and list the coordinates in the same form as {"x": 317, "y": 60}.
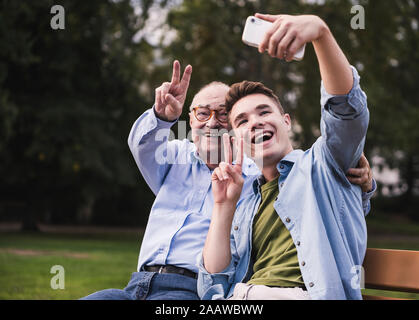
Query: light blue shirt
{"x": 180, "y": 216}
{"x": 321, "y": 209}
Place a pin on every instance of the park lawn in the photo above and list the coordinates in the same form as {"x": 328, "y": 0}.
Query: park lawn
{"x": 100, "y": 261}
{"x": 90, "y": 262}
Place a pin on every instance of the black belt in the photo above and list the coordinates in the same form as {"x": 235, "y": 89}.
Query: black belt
{"x": 171, "y": 269}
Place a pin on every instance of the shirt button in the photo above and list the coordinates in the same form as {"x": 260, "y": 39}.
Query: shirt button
{"x": 298, "y": 243}
{"x": 288, "y": 220}
{"x": 281, "y": 166}
{"x": 311, "y": 284}
{"x": 303, "y": 263}
{"x": 236, "y": 228}
{"x": 282, "y": 184}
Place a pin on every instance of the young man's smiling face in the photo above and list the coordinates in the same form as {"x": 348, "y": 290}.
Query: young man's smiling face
{"x": 258, "y": 119}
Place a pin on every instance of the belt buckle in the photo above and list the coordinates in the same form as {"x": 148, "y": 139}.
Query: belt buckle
{"x": 160, "y": 269}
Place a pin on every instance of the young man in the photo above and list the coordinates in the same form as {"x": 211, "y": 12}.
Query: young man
{"x": 179, "y": 174}
{"x": 302, "y": 233}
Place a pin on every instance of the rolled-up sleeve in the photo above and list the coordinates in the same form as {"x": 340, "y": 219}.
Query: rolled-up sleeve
{"x": 217, "y": 286}
{"x": 344, "y": 124}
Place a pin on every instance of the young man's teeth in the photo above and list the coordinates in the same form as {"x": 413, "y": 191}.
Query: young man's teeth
{"x": 212, "y": 135}
{"x": 267, "y": 135}
{"x": 263, "y": 137}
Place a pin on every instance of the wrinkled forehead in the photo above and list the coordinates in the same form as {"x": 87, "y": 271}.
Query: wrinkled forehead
{"x": 213, "y": 97}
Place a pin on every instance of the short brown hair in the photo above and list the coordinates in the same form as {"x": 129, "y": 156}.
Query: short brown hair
{"x": 245, "y": 88}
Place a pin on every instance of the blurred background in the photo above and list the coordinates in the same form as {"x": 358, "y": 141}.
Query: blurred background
{"x": 70, "y": 191}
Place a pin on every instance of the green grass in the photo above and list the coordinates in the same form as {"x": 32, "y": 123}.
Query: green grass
{"x": 392, "y": 224}
{"x": 101, "y": 262}
{"x": 94, "y": 262}
{"x": 391, "y": 294}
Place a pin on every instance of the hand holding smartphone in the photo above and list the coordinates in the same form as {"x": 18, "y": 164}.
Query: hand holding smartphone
{"x": 255, "y": 30}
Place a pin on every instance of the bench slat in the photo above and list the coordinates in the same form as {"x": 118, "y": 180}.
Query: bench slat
{"x": 396, "y": 270}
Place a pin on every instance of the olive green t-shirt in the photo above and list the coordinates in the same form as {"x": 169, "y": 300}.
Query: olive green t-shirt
{"x": 273, "y": 250}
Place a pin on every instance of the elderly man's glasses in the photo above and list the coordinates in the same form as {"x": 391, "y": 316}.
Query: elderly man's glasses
{"x": 204, "y": 114}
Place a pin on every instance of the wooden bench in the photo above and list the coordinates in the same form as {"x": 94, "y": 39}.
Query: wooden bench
{"x": 393, "y": 270}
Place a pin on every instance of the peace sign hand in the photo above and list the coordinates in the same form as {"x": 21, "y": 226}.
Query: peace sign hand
{"x": 227, "y": 180}
{"x": 170, "y": 96}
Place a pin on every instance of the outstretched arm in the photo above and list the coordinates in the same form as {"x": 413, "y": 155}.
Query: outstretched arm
{"x": 344, "y": 106}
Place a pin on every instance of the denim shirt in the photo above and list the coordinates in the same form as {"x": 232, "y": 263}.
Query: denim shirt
{"x": 321, "y": 209}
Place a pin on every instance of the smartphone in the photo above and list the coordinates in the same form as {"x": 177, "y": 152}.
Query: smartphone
{"x": 254, "y": 32}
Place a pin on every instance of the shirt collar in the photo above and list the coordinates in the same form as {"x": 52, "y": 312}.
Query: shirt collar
{"x": 283, "y": 166}
{"x": 291, "y": 157}
{"x": 194, "y": 155}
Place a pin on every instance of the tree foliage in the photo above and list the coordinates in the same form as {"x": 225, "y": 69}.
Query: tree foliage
{"x": 69, "y": 97}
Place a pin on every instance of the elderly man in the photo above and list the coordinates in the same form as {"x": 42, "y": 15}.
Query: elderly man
{"x": 179, "y": 174}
